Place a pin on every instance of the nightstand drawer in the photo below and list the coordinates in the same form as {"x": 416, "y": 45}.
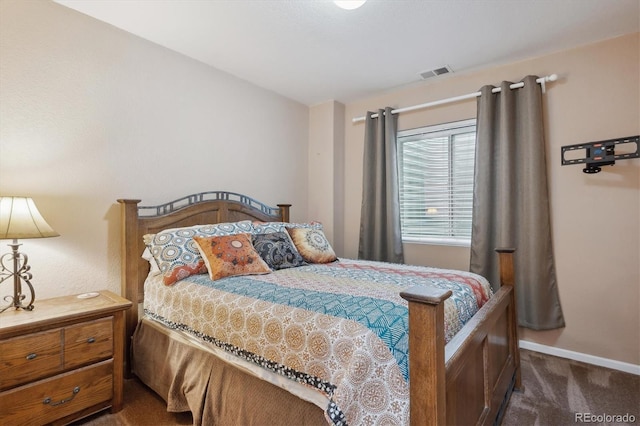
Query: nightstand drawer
{"x": 51, "y": 399}
{"x": 88, "y": 342}
{"x": 62, "y": 361}
{"x": 31, "y": 357}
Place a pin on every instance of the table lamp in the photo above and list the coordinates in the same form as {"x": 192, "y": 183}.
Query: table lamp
{"x": 19, "y": 219}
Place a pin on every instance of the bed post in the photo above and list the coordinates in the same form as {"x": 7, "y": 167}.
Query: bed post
{"x": 129, "y": 270}
{"x": 429, "y": 377}
{"x": 507, "y": 279}
{"x": 284, "y": 212}
{"x": 426, "y": 355}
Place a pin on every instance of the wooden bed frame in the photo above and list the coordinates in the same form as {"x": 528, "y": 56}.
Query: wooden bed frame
{"x": 467, "y": 381}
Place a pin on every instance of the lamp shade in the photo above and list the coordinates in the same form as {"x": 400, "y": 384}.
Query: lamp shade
{"x": 20, "y": 218}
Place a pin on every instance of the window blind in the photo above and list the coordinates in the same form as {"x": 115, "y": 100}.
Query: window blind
{"x": 435, "y": 169}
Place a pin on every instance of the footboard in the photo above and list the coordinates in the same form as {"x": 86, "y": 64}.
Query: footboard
{"x": 470, "y": 379}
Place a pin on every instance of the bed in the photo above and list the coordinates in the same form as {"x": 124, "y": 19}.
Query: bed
{"x": 426, "y": 371}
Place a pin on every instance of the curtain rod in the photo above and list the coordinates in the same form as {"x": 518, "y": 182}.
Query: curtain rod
{"x": 541, "y": 80}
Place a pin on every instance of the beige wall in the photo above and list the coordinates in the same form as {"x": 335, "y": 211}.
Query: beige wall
{"x": 90, "y": 113}
{"x": 595, "y": 218}
{"x": 326, "y": 168}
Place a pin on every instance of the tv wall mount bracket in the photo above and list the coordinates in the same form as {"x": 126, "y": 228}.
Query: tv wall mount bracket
{"x": 601, "y": 153}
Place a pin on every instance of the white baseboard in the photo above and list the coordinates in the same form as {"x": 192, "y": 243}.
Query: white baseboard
{"x": 578, "y": 356}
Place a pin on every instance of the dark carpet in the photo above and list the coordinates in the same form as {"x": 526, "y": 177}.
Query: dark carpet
{"x": 557, "y": 392}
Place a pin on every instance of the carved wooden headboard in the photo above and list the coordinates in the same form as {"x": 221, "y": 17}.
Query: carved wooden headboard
{"x": 203, "y": 208}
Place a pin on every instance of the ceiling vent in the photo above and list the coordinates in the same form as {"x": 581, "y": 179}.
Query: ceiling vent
{"x": 435, "y": 72}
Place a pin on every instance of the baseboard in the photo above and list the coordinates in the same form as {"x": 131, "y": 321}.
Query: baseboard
{"x": 578, "y": 356}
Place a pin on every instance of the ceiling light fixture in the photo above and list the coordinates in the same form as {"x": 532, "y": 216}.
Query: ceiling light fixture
{"x": 349, "y": 4}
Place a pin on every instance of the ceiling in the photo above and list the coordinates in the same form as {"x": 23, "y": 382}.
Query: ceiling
{"x": 312, "y": 51}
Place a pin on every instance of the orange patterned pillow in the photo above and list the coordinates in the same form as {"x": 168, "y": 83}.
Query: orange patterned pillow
{"x": 230, "y": 255}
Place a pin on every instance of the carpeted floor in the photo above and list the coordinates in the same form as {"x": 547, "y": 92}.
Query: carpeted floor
{"x": 557, "y": 392}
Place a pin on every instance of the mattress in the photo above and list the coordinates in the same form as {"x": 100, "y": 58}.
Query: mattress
{"x": 339, "y": 331}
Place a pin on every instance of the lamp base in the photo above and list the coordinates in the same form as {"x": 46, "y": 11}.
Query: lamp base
{"x": 17, "y": 303}
{"x": 19, "y": 273}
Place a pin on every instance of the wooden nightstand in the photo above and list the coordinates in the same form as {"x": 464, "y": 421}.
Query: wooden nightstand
{"x": 62, "y": 361}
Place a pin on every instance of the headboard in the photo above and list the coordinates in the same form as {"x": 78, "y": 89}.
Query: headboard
{"x": 203, "y": 208}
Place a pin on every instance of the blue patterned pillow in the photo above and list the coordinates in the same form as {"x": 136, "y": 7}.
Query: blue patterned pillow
{"x": 277, "y": 250}
{"x": 268, "y": 227}
{"x": 177, "y": 254}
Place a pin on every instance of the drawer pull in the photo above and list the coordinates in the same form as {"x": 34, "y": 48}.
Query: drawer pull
{"x": 91, "y": 340}
{"x": 47, "y": 401}
{"x": 31, "y": 356}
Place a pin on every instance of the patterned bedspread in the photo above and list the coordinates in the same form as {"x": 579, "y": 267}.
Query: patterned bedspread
{"x": 340, "y": 328}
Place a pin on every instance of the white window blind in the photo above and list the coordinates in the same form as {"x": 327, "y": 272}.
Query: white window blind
{"x": 435, "y": 170}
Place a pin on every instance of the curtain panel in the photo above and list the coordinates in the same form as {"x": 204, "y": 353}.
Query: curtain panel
{"x": 511, "y": 202}
{"x": 380, "y": 232}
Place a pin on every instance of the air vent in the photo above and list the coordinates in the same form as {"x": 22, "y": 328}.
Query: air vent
{"x": 435, "y": 72}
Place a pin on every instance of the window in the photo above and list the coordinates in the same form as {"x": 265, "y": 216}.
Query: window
{"x": 435, "y": 170}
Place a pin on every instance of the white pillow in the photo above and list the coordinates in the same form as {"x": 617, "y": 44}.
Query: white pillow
{"x": 154, "y": 269}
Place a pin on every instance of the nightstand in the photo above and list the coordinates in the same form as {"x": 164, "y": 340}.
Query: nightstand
{"x": 62, "y": 361}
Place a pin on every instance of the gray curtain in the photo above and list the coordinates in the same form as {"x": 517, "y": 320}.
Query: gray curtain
{"x": 380, "y": 234}
{"x": 511, "y": 202}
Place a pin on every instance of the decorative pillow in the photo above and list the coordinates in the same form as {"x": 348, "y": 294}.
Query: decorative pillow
{"x": 268, "y": 227}
{"x": 230, "y": 255}
{"x": 153, "y": 265}
{"x": 176, "y": 253}
{"x": 313, "y": 225}
{"x": 312, "y": 245}
{"x": 277, "y": 250}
